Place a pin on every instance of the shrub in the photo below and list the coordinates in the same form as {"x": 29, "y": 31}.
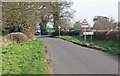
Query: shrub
{"x": 4, "y": 40}
{"x": 30, "y": 36}
{"x": 17, "y": 37}
{"x": 100, "y": 35}
{"x": 54, "y": 34}
{"x": 70, "y": 33}
{"x": 113, "y": 36}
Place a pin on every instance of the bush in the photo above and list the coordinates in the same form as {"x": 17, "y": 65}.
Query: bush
{"x": 113, "y": 36}
{"x": 4, "y": 41}
{"x": 100, "y": 35}
{"x": 107, "y": 36}
{"x": 17, "y": 37}
{"x": 70, "y": 33}
{"x": 30, "y": 36}
{"x": 54, "y": 34}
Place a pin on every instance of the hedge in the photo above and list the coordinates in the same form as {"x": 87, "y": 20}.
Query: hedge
{"x": 113, "y": 36}
{"x": 102, "y": 35}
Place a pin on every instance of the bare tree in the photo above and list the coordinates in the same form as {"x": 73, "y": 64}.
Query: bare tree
{"x": 65, "y": 24}
{"x": 102, "y": 23}
{"x": 77, "y": 26}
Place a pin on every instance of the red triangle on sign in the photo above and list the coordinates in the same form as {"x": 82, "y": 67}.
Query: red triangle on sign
{"x": 84, "y": 22}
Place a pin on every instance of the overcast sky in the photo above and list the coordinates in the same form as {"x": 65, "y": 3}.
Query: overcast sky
{"x": 88, "y": 9}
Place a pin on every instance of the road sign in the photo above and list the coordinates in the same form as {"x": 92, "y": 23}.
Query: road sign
{"x": 88, "y": 33}
{"x": 59, "y": 27}
{"x": 59, "y": 30}
{"x": 84, "y": 23}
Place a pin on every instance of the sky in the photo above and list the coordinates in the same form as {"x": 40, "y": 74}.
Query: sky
{"x": 88, "y": 9}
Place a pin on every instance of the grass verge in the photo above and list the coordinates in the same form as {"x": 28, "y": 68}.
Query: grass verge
{"x": 110, "y": 47}
{"x": 24, "y": 58}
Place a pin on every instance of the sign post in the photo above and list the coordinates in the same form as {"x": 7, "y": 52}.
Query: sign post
{"x": 88, "y": 33}
{"x": 85, "y": 25}
{"x": 85, "y": 35}
{"x": 59, "y": 29}
{"x": 91, "y": 38}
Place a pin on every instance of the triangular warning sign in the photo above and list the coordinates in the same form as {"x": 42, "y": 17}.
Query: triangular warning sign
{"x": 84, "y": 22}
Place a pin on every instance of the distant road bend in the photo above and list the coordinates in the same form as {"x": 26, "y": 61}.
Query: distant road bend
{"x": 69, "y": 58}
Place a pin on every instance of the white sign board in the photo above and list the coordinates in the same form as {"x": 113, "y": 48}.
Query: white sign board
{"x": 88, "y": 33}
{"x": 84, "y": 26}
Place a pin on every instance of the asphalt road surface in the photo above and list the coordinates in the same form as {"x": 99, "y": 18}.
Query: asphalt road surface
{"x": 69, "y": 58}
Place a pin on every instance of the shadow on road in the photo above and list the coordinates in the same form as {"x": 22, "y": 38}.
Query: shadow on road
{"x": 45, "y": 36}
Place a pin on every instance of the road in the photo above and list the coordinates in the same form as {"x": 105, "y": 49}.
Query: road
{"x": 69, "y": 58}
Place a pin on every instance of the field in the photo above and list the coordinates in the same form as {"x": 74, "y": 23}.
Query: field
{"x": 110, "y": 47}
{"x": 24, "y": 58}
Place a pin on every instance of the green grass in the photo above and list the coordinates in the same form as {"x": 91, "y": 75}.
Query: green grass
{"x": 24, "y": 58}
{"x": 110, "y": 47}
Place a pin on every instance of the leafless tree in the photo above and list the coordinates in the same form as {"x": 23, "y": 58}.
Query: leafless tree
{"x": 102, "y": 23}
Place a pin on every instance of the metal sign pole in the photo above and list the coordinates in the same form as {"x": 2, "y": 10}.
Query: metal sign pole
{"x": 59, "y": 32}
{"x": 91, "y": 38}
{"x": 59, "y": 29}
{"x": 85, "y": 34}
{"x": 85, "y": 25}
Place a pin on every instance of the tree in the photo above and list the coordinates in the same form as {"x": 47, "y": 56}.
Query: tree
{"x": 65, "y": 24}
{"x": 45, "y": 16}
{"x": 102, "y": 23}
{"x": 24, "y": 16}
{"x": 61, "y": 10}
{"x": 55, "y": 12}
{"x": 20, "y": 16}
{"x": 119, "y": 24}
{"x": 113, "y": 24}
{"x": 77, "y": 26}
